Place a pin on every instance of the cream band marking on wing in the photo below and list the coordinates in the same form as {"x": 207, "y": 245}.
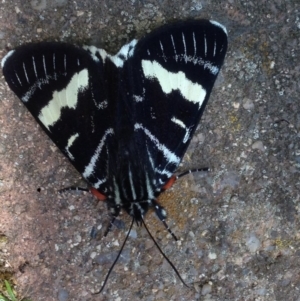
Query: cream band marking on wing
{"x": 65, "y": 63}
{"x": 215, "y": 48}
{"x": 45, "y": 69}
{"x": 178, "y": 122}
{"x": 132, "y": 185}
{"x": 53, "y": 61}
{"x": 170, "y": 81}
{"x": 195, "y": 45}
{"x": 99, "y": 183}
{"x": 162, "y": 51}
{"x": 89, "y": 169}
{"x": 18, "y": 79}
{"x": 66, "y": 98}
{"x": 150, "y": 192}
{"x": 34, "y": 67}
{"x": 3, "y": 61}
{"x": 92, "y": 52}
{"x": 117, "y": 196}
{"x": 54, "y": 67}
{"x": 170, "y": 156}
{"x": 25, "y": 72}
{"x": 176, "y": 56}
{"x": 219, "y": 25}
{"x": 70, "y": 143}
{"x": 182, "y": 125}
{"x": 205, "y": 45}
{"x": 184, "y": 46}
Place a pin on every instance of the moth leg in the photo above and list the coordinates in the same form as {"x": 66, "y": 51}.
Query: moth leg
{"x": 171, "y": 181}
{"x": 192, "y": 171}
{"x": 114, "y": 213}
{"x": 71, "y": 188}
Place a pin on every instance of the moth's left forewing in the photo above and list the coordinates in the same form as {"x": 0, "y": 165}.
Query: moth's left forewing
{"x": 174, "y": 69}
{"x": 64, "y": 88}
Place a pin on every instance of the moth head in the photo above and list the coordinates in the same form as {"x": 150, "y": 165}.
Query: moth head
{"x": 136, "y": 209}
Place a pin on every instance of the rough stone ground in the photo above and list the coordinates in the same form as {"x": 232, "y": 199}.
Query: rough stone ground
{"x": 238, "y": 224}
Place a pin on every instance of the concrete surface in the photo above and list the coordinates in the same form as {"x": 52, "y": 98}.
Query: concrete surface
{"x": 238, "y": 224}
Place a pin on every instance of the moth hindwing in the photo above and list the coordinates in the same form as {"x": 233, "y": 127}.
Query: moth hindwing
{"x": 125, "y": 120}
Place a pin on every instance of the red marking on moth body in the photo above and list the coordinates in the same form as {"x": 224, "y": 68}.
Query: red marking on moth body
{"x": 169, "y": 183}
{"x": 97, "y": 194}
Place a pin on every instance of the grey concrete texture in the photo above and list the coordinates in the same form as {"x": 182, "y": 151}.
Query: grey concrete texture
{"x": 238, "y": 224}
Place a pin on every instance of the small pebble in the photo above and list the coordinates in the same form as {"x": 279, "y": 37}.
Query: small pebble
{"x": 258, "y": 145}
{"x": 253, "y": 243}
{"x": 206, "y": 289}
{"x": 248, "y": 104}
{"x": 63, "y": 295}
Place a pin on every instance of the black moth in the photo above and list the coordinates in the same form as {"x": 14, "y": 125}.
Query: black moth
{"x": 124, "y": 121}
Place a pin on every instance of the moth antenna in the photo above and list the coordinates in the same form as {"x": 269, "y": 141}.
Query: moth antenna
{"x": 192, "y": 171}
{"x": 169, "y": 230}
{"x": 164, "y": 255}
{"x": 117, "y": 258}
{"x": 161, "y": 214}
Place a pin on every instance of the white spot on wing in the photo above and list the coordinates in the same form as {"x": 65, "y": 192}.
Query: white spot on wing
{"x": 138, "y": 98}
{"x": 101, "y": 105}
{"x": 70, "y": 143}
{"x": 66, "y": 98}
{"x": 94, "y": 51}
{"x": 89, "y": 169}
{"x": 169, "y": 81}
{"x": 124, "y": 53}
{"x": 6, "y": 57}
{"x": 170, "y": 156}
